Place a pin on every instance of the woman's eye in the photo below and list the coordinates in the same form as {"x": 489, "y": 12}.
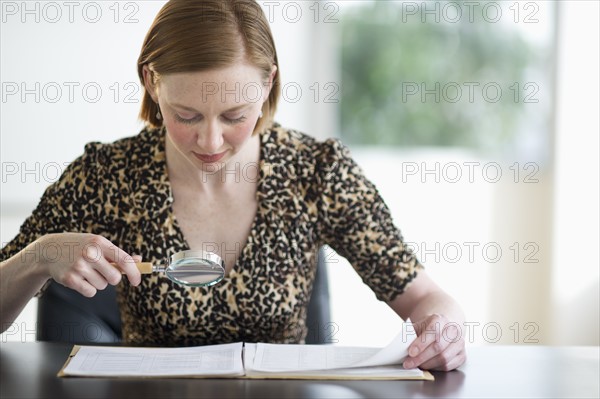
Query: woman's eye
{"x": 195, "y": 119}
{"x": 181, "y": 119}
{"x": 235, "y": 120}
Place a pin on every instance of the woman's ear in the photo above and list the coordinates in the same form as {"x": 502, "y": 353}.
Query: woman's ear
{"x": 270, "y": 84}
{"x": 149, "y": 83}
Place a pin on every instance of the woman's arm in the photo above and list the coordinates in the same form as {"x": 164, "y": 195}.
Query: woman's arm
{"x": 20, "y": 280}
{"x": 356, "y": 222}
{"x": 79, "y": 261}
{"x": 438, "y": 321}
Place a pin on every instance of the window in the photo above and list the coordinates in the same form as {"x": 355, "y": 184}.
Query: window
{"x": 451, "y": 74}
{"x": 447, "y": 107}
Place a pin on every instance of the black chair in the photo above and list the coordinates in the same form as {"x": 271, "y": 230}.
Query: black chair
{"x": 66, "y": 316}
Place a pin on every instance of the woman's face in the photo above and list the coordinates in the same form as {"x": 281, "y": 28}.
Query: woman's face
{"x": 210, "y": 115}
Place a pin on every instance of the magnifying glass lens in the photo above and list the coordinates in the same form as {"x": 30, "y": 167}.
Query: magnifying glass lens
{"x": 192, "y": 267}
{"x": 196, "y": 272}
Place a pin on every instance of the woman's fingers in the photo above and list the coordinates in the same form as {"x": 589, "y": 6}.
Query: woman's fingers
{"x": 89, "y": 269}
{"x": 75, "y": 281}
{"x": 439, "y": 345}
{"x": 95, "y": 279}
{"x": 104, "y": 252}
{"x": 430, "y": 346}
{"x": 452, "y": 357}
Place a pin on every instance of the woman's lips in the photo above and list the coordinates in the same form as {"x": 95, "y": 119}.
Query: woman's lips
{"x": 209, "y": 158}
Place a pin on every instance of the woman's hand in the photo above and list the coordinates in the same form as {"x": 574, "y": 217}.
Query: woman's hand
{"x": 439, "y": 344}
{"x": 82, "y": 261}
{"x": 437, "y": 320}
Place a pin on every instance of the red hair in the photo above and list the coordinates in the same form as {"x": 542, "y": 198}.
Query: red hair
{"x": 199, "y": 35}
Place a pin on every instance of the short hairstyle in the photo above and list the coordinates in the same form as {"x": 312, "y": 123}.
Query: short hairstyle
{"x": 199, "y": 35}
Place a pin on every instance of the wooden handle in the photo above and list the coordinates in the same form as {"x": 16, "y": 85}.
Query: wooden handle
{"x": 143, "y": 267}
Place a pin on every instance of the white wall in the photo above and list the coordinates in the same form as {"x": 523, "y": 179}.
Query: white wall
{"x": 576, "y": 261}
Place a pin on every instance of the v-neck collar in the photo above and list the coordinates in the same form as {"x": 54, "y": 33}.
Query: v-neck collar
{"x": 164, "y": 195}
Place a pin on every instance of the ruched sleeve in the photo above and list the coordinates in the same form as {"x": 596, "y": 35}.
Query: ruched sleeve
{"x": 357, "y": 224}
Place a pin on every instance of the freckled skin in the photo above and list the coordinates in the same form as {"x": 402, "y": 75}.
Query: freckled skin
{"x": 220, "y": 113}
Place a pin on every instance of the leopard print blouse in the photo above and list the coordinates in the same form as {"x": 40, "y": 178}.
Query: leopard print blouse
{"x": 310, "y": 193}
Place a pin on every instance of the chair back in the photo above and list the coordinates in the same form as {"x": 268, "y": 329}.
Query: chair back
{"x": 66, "y": 316}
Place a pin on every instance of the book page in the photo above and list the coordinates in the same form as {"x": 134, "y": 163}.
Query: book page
{"x": 294, "y": 358}
{"x": 394, "y": 353}
{"x": 393, "y": 372}
{"x": 214, "y": 360}
{"x": 273, "y": 357}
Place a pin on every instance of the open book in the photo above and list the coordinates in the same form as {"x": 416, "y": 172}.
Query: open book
{"x": 246, "y": 360}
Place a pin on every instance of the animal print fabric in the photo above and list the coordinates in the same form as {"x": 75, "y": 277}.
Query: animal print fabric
{"x": 310, "y": 193}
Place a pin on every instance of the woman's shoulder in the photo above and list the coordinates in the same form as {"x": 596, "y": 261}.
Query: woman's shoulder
{"x": 288, "y": 142}
{"x": 137, "y": 143}
{"x": 127, "y": 152}
{"x": 117, "y": 165}
{"x": 295, "y": 156}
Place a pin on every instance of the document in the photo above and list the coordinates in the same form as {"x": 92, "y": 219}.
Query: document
{"x": 109, "y": 361}
{"x": 328, "y": 361}
{"x": 246, "y": 360}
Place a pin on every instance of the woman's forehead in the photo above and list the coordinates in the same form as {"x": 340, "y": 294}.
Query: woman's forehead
{"x": 234, "y": 86}
{"x": 234, "y": 74}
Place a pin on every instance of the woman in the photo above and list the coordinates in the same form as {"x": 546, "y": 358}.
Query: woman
{"x": 213, "y": 171}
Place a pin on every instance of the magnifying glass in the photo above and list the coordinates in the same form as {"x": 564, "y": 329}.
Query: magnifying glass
{"x": 193, "y": 268}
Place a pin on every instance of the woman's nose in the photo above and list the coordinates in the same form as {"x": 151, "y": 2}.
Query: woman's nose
{"x": 210, "y": 138}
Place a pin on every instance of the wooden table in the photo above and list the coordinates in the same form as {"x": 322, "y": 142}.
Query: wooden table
{"x": 28, "y": 370}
